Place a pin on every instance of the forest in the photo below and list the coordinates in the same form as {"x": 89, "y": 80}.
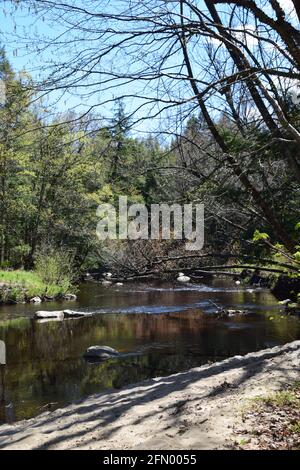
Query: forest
{"x": 230, "y": 141}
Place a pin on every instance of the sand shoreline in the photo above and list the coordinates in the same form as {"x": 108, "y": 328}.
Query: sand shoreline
{"x": 196, "y": 409}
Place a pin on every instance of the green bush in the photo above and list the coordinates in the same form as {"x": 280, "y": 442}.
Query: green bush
{"x": 55, "y": 268}
{"x": 5, "y": 265}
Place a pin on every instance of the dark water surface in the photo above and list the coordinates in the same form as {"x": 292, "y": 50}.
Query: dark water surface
{"x": 159, "y": 329}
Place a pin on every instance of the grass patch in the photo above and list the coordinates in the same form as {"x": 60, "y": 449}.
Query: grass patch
{"x": 284, "y": 398}
{"x": 20, "y": 285}
{"x": 295, "y": 427}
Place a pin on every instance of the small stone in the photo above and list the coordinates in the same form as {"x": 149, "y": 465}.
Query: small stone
{"x": 70, "y": 297}
{"x": 36, "y": 300}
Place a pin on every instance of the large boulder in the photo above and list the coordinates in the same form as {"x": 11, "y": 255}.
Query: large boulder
{"x": 100, "y": 352}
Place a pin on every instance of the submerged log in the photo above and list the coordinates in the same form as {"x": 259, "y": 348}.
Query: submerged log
{"x": 60, "y": 314}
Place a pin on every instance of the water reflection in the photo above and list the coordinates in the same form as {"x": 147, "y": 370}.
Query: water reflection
{"x": 158, "y": 330}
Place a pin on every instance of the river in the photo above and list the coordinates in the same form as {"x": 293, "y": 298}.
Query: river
{"x": 160, "y": 329}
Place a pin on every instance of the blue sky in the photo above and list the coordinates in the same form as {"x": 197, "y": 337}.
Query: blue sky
{"x": 15, "y": 26}
{"x": 15, "y": 23}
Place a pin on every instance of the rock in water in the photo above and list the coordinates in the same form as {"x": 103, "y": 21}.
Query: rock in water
{"x": 100, "y": 352}
{"x": 231, "y": 313}
{"x": 70, "y": 297}
{"x": 48, "y": 314}
{"x": 36, "y": 300}
{"x": 183, "y": 278}
{"x": 74, "y": 314}
{"x": 48, "y": 298}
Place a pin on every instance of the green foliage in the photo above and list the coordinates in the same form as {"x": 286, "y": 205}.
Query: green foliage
{"x": 22, "y": 285}
{"x": 295, "y": 427}
{"x": 235, "y": 142}
{"x": 52, "y": 180}
{"x": 5, "y": 264}
{"x": 259, "y": 236}
{"x": 284, "y": 398}
{"x": 297, "y": 256}
{"x": 55, "y": 268}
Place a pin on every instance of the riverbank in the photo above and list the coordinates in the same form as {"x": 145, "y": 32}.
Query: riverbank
{"x": 198, "y": 409}
{"x": 25, "y": 286}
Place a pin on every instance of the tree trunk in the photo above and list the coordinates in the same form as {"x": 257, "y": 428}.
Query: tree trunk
{"x": 297, "y": 7}
{"x": 278, "y": 229}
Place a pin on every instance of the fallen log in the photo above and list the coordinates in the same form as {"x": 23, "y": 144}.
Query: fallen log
{"x": 253, "y": 268}
{"x": 207, "y": 271}
{"x": 60, "y": 314}
{"x": 224, "y": 255}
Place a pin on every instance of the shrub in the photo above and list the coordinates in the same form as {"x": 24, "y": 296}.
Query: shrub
{"x": 55, "y": 267}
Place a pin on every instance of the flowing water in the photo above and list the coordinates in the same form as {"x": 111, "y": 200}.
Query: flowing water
{"x": 159, "y": 329}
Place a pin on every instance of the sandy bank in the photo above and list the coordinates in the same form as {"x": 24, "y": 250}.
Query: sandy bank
{"x": 197, "y": 409}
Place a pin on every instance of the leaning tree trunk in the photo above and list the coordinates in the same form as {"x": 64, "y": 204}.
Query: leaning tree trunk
{"x": 277, "y": 227}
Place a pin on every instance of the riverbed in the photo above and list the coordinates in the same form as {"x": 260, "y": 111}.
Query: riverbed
{"x": 159, "y": 329}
